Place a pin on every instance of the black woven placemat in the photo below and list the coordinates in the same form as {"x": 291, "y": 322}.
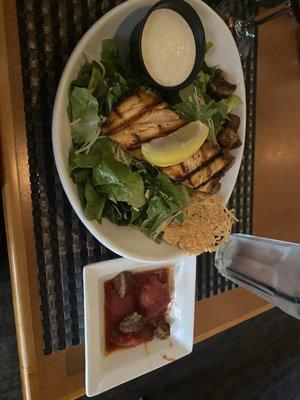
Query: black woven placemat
{"x": 209, "y": 281}
{"x": 48, "y": 32}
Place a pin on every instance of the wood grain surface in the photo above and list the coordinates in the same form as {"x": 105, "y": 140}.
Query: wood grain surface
{"x": 277, "y": 148}
{"x": 276, "y": 212}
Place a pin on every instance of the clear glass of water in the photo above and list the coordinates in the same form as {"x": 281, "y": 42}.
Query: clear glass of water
{"x": 269, "y": 268}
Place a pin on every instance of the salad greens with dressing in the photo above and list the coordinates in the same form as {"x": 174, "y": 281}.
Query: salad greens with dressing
{"x": 111, "y": 182}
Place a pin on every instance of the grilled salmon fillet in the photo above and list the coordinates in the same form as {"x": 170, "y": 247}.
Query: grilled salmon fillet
{"x": 140, "y": 118}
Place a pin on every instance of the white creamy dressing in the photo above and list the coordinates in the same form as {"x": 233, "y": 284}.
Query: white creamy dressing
{"x": 168, "y": 47}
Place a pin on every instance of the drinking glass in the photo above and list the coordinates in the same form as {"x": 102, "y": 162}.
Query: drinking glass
{"x": 244, "y": 30}
{"x": 269, "y": 268}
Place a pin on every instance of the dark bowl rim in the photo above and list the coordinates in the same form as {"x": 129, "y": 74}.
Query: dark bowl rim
{"x": 199, "y": 41}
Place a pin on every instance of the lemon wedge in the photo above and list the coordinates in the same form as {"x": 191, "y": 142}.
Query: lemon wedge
{"x": 176, "y": 147}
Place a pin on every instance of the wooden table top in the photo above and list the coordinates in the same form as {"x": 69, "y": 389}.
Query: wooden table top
{"x": 276, "y": 201}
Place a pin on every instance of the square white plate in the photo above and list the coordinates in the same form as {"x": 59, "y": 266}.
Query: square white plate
{"x": 104, "y": 371}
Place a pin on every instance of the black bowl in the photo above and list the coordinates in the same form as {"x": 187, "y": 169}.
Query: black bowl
{"x": 192, "y": 18}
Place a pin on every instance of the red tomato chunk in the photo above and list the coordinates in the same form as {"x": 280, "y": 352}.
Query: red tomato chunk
{"x": 118, "y": 307}
{"x": 153, "y": 297}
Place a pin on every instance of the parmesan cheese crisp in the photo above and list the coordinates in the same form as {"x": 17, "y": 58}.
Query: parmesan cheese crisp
{"x": 207, "y": 225}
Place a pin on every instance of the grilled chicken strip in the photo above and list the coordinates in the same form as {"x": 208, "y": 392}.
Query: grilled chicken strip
{"x": 181, "y": 171}
{"x": 212, "y": 186}
{"x": 141, "y": 119}
{"x": 136, "y": 134}
{"x": 152, "y": 124}
{"x": 201, "y": 171}
{"x": 215, "y": 169}
{"x": 131, "y": 107}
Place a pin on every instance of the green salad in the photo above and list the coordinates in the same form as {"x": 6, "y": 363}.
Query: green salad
{"x": 111, "y": 182}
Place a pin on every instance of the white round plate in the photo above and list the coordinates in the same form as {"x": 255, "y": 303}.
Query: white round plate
{"x": 119, "y": 23}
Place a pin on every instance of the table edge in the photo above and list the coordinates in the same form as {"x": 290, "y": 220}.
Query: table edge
{"x": 11, "y": 198}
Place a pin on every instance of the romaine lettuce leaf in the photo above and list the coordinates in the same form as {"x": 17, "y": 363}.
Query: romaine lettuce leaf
{"x": 120, "y": 213}
{"x": 230, "y": 103}
{"x": 187, "y": 110}
{"x": 95, "y": 203}
{"x": 95, "y": 80}
{"x": 84, "y": 76}
{"x": 214, "y": 113}
{"x": 110, "y": 58}
{"x": 85, "y": 160}
{"x": 165, "y": 204}
{"x": 84, "y": 115}
{"x": 90, "y": 77}
{"x": 158, "y": 213}
{"x": 118, "y": 89}
{"x": 126, "y": 194}
{"x": 126, "y": 185}
{"x": 82, "y": 103}
{"x": 80, "y": 175}
{"x": 175, "y": 192}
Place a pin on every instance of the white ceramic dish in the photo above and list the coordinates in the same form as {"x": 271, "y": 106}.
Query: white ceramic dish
{"x": 104, "y": 371}
{"x": 119, "y": 23}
